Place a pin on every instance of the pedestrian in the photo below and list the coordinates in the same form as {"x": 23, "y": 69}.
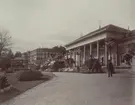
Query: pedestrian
{"x": 110, "y": 68}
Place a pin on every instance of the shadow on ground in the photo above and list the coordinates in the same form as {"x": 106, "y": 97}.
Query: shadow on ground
{"x": 21, "y": 86}
{"x": 7, "y": 95}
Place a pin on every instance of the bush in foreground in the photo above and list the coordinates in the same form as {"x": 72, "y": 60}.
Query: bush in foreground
{"x": 30, "y": 76}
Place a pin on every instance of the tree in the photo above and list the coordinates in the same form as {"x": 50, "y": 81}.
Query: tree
{"x": 10, "y": 54}
{"x": 55, "y": 48}
{"x": 5, "y": 41}
{"x": 18, "y": 54}
{"x": 5, "y": 62}
{"x": 60, "y": 49}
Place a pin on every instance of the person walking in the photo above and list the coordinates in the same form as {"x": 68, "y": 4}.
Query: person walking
{"x": 110, "y": 68}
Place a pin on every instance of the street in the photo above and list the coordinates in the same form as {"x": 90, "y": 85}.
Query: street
{"x": 80, "y": 89}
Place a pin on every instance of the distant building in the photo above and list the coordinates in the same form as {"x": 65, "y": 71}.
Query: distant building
{"x": 109, "y": 42}
{"x": 40, "y": 55}
{"x": 19, "y": 63}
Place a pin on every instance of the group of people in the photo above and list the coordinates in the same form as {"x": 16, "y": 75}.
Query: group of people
{"x": 127, "y": 58}
{"x": 94, "y": 65}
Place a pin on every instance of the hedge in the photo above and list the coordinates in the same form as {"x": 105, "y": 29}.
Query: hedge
{"x": 30, "y": 76}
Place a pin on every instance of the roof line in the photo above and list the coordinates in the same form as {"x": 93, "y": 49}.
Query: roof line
{"x": 103, "y": 29}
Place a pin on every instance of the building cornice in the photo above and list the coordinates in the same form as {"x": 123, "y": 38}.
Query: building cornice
{"x": 108, "y": 28}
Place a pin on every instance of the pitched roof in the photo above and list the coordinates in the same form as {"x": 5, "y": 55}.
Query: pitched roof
{"x": 108, "y": 28}
{"x": 44, "y": 49}
{"x": 47, "y": 50}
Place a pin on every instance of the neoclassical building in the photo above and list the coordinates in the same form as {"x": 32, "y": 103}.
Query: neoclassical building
{"x": 104, "y": 43}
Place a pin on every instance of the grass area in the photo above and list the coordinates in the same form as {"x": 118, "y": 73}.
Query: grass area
{"x": 19, "y": 86}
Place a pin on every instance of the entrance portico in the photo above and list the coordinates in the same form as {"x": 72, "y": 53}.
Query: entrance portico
{"x": 102, "y": 44}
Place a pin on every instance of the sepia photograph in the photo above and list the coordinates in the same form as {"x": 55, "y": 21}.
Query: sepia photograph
{"x": 67, "y": 52}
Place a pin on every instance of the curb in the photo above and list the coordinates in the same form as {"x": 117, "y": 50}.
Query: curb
{"x": 131, "y": 72}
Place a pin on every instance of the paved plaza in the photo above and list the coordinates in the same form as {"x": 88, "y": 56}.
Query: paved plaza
{"x": 81, "y": 89}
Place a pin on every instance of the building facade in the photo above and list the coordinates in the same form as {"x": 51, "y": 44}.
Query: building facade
{"x": 19, "y": 63}
{"x": 40, "y": 55}
{"x": 109, "y": 42}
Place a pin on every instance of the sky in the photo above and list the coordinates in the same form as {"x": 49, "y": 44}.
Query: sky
{"x": 47, "y": 23}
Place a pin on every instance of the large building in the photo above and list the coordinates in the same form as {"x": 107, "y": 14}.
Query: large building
{"x": 104, "y": 43}
{"x": 40, "y": 55}
{"x": 19, "y": 63}
{"x": 26, "y": 55}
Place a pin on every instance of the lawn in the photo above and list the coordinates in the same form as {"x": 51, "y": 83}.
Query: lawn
{"x": 18, "y": 87}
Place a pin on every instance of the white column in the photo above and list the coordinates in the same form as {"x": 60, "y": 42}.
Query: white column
{"x": 75, "y": 56}
{"x": 98, "y": 49}
{"x": 106, "y": 55}
{"x": 84, "y": 56}
{"x": 70, "y": 53}
{"x": 90, "y": 48}
{"x": 79, "y": 56}
{"x": 117, "y": 55}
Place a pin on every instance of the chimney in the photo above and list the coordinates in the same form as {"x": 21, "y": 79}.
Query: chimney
{"x": 81, "y": 35}
{"x": 99, "y": 23}
{"x": 128, "y": 27}
{"x": 128, "y": 33}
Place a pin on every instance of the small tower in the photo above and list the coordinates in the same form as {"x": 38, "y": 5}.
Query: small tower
{"x": 128, "y": 33}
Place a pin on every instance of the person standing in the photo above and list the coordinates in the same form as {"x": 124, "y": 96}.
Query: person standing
{"x": 110, "y": 68}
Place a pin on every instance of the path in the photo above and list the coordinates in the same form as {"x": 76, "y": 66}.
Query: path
{"x": 80, "y": 89}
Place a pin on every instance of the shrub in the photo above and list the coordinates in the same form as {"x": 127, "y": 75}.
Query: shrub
{"x": 90, "y": 62}
{"x": 84, "y": 68}
{"x": 58, "y": 65}
{"x": 30, "y": 76}
{"x": 9, "y": 70}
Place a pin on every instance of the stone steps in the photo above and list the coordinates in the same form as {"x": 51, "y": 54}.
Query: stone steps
{"x": 119, "y": 67}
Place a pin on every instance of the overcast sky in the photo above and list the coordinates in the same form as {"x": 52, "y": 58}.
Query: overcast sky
{"x": 46, "y": 23}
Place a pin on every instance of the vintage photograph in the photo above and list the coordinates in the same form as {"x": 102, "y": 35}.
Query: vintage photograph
{"x": 67, "y": 52}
